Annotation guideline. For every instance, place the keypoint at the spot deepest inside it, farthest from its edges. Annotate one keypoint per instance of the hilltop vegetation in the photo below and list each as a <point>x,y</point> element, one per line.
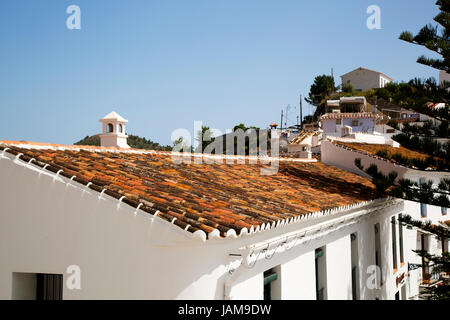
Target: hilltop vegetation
<point>133,141</point>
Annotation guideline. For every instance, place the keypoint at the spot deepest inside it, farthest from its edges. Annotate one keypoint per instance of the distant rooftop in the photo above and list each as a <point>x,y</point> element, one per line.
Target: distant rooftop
<point>361,68</point>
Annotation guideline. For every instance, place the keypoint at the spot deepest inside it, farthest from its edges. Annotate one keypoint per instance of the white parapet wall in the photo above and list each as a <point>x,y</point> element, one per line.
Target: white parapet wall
<point>360,137</point>
<point>344,158</point>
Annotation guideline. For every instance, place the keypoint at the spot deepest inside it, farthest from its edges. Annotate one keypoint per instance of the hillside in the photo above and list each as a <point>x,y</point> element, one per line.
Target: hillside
<point>133,141</point>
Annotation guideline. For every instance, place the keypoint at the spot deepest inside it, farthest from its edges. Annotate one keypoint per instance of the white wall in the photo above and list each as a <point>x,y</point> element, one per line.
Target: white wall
<point>338,264</point>
<point>334,155</point>
<point>250,289</point>
<point>364,125</point>
<point>362,79</point>
<point>297,278</point>
<point>114,140</point>
<point>384,81</point>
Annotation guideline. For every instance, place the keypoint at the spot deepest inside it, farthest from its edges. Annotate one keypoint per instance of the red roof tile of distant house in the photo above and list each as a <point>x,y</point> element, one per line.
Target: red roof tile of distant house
<point>219,197</point>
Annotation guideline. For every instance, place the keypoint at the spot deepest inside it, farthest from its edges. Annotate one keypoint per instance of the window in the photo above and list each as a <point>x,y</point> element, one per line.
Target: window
<point>423,206</point>
<point>354,264</point>
<point>400,237</point>
<point>444,211</point>
<point>355,123</point>
<point>110,128</point>
<point>37,286</point>
<point>378,252</point>
<point>269,277</point>
<point>338,121</point>
<point>394,243</point>
<point>49,286</point>
<point>320,268</point>
<point>445,245</point>
<point>424,245</point>
<point>119,128</point>
<point>423,209</point>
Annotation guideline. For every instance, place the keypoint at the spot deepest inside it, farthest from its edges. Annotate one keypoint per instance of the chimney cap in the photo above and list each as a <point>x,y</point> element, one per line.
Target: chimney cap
<point>114,116</point>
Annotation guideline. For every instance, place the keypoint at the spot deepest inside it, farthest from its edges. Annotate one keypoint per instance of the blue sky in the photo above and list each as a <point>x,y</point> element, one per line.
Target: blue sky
<point>164,64</point>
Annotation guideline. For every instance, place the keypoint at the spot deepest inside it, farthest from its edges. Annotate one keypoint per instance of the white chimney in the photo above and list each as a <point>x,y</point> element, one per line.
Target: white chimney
<point>113,133</point>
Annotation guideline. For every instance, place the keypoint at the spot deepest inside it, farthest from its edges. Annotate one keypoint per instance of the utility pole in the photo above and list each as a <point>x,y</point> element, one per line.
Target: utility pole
<point>285,118</point>
<point>281,119</point>
<point>301,113</point>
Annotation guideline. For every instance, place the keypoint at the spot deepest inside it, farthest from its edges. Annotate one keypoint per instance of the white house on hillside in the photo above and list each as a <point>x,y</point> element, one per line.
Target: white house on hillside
<point>346,116</point>
<point>344,124</point>
<point>364,79</point>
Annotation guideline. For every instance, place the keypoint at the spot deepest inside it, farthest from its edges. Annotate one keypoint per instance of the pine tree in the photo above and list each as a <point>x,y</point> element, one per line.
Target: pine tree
<point>322,87</point>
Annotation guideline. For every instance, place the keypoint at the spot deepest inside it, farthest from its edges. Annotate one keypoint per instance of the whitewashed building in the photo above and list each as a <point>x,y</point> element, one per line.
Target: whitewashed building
<point>55,225</point>
<point>363,79</point>
<point>343,156</point>
<point>337,124</point>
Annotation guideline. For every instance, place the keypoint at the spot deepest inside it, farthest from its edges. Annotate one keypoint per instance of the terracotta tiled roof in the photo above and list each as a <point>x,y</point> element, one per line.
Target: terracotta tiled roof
<point>216,198</point>
<point>301,137</point>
